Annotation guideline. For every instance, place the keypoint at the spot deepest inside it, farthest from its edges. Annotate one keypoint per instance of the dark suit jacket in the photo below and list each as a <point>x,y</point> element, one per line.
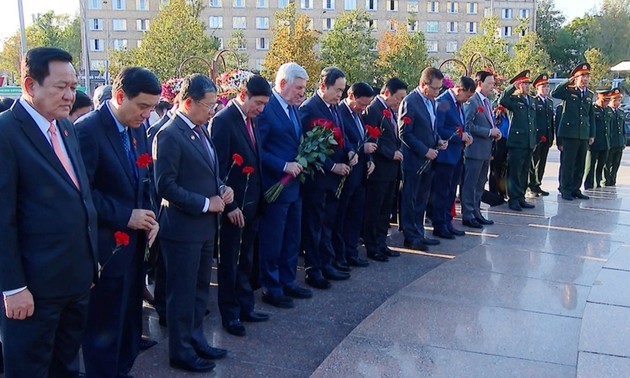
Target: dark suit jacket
<point>359,172</point>
<point>312,109</point>
<point>230,136</point>
<point>278,145</point>
<point>447,119</point>
<point>47,226</point>
<point>153,129</point>
<point>418,136</point>
<point>386,168</point>
<point>115,188</point>
<point>185,177</point>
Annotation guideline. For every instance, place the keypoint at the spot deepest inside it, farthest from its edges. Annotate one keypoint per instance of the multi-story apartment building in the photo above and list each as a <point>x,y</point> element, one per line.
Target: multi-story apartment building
<point>120,24</point>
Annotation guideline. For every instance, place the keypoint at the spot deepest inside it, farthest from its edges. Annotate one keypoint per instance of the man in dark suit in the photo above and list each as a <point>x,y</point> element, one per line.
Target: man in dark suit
<point>447,167</point>
<point>281,222</point>
<point>347,229</point>
<point>381,187</point>
<point>233,132</point>
<point>48,234</point>
<point>420,144</point>
<point>545,122</point>
<point>320,200</point>
<point>112,138</point>
<point>479,124</point>
<point>186,171</point>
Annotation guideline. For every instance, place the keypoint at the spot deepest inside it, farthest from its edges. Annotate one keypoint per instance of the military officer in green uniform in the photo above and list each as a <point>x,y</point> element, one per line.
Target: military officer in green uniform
<point>576,129</point>
<point>544,134</point>
<point>617,139</point>
<point>521,138</point>
<point>597,153</point>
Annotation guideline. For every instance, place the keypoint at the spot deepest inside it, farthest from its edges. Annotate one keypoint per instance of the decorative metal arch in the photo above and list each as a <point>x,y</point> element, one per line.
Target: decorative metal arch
<point>212,64</point>
<point>468,68</point>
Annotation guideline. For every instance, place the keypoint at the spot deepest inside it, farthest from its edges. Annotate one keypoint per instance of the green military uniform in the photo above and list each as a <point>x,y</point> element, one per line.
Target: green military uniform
<point>576,126</point>
<point>544,137</point>
<point>521,139</point>
<point>617,144</point>
<point>597,154</point>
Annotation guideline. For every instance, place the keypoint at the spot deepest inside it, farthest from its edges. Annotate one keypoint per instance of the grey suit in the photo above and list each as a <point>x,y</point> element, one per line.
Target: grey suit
<point>477,156</point>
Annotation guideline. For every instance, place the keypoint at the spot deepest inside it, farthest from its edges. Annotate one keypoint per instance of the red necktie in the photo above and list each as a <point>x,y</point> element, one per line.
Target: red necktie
<point>250,131</point>
<point>52,130</point>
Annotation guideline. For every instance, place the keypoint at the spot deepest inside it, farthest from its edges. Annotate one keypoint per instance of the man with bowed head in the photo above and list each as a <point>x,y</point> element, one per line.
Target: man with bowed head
<point>193,196</point>
<point>48,232</point>
<point>281,222</point>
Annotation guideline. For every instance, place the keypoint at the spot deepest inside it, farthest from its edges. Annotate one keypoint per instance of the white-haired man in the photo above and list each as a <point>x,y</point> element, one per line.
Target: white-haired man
<point>280,225</point>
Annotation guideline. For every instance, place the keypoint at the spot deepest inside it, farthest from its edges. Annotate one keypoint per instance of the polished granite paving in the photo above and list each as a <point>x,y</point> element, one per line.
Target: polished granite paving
<point>542,293</point>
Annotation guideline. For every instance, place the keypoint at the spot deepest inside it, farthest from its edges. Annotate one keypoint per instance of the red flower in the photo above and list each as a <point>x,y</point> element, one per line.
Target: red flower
<point>237,159</point>
<point>122,239</point>
<point>501,109</point>
<point>460,131</point>
<point>144,160</point>
<point>406,120</point>
<point>373,132</point>
<point>480,109</point>
<point>338,135</point>
<point>387,113</point>
<point>248,170</point>
<point>322,122</point>
<point>543,139</point>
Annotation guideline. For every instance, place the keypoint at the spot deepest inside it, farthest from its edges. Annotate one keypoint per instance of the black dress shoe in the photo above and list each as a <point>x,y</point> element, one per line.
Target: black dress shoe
<point>542,192</point>
<point>234,327</point>
<point>318,282</point>
<point>415,245</point>
<point>390,252</point>
<point>428,241</point>
<point>581,196</point>
<point>280,301</point>
<point>567,197</point>
<point>254,317</point>
<point>357,261</point>
<point>472,223</point>
<point>211,353</point>
<point>195,364</point>
<point>443,233</point>
<point>378,257</point>
<point>484,221</point>
<point>297,292</point>
<point>341,266</point>
<point>515,206</point>
<point>526,205</point>
<point>146,343</point>
<point>333,274</point>
<point>455,231</point>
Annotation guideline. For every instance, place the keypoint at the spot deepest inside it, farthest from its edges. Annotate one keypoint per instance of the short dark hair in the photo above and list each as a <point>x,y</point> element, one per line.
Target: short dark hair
<point>429,74</point>
<point>136,80</point>
<point>6,103</point>
<point>81,100</point>
<point>36,63</point>
<point>163,106</point>
<point>393,85</point>
<point>481,76</point>
<point>361,89</point>
<point>196,86</point>
<point>466,83</point>
<point>330,75</point>
<point>256,85</point>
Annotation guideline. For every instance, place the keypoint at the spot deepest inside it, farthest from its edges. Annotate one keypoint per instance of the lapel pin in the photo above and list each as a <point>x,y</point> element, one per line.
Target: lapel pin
<point>135,143</point>
<point>65,132</point>
<point>192,137</point>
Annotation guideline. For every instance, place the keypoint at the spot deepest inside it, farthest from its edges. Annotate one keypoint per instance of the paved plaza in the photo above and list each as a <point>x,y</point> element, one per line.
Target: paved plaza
<point>542,293</point>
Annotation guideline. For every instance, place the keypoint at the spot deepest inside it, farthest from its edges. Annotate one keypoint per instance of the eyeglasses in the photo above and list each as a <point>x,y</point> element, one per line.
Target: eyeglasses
<point>210,107</point>
<point>434,88</point>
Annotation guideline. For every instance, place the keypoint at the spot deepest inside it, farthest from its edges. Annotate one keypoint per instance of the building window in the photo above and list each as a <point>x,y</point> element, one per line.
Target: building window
<point>433,6</point>
<point>238,4</point>
<point>451,27</point>
<point>119,25</point>
<point>524,31</point>
<point>507,31</point>
<point>283,3</point>
<point>452,7</point>
<point>262,22</point>
<point>96,24</point>
<point>524,13</point>
<point>96,45</point>
<point>471,27</point>
<point>97,64</point>
<point>412,6</point>
<point>372,24</point>
<point>432,26</point>
<point>95,4</point>
<point>392,5</point>
<point>262,3</point>
<point>239,22</point>
<point>118,5</point>
<point>451,46</point>
<point>412,26</point>
<point>328,23</point>
<point>310,24</point>
<point>432,46</point>
<point>371,5</point>
<point>120,44</point>
<point>506,13</point>
<point>142,25</point>
<point>215,3</point>
<point>259,64</point>
<point>142,5</point>
<point>262,44</point>
<point>328,4</point>
<point>306,4</point>
<point>391,25</point>
<point>215,22</point>
<point>471,8</point>
<point>350,4</point>
<point>242,45</point>
<point>220,42</point>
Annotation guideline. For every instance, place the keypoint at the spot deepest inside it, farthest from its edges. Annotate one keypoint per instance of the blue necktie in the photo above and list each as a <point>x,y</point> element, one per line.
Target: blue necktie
<point>357,121</point>
<point>296,124</point>
<point>124,136</point>
<point>333,111</point>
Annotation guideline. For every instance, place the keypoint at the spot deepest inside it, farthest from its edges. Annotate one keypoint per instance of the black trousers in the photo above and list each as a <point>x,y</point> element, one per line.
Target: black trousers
<point>595,162</point>
<point>380,196</point>
<point>349,222</point>
<point>318,221</point>
<point>497,182</point>
<point>537,168</point>
<point>47,343</point>
<point>519,162</point>
<point>612,165</point>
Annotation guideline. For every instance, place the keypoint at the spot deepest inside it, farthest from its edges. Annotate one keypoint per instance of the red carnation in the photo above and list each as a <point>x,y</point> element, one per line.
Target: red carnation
<point>248,170</point>
<point>480,109</point>
<point>237,159</point>
<point>460,131</point>
<point>406,120</point>
<point>338,135</point>
<point>373,132</point>
<point>144,160</point>
<point>543,139</point>
<point>122,239</point>
<point>387,113</point>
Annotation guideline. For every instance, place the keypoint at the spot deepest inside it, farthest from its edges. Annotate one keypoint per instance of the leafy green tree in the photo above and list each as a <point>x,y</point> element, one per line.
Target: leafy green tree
<point>549,21</point>
<point>236,44</point>
<point>611,31</point>
<point>528,54</point>
<point>489,43</point>
<point>599,67</point>
<point>293,41</point>
<point>351,47</point>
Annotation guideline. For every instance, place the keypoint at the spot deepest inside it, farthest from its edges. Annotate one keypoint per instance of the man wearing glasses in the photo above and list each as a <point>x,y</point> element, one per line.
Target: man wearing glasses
<point>420,144</point>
